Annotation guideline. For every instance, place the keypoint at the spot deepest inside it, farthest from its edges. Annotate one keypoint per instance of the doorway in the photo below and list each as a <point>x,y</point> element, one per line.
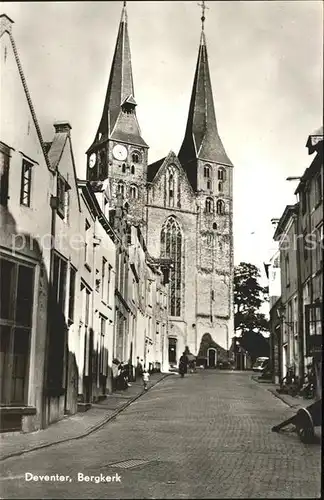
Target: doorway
<point>211,357</point>
<point>172,350</point>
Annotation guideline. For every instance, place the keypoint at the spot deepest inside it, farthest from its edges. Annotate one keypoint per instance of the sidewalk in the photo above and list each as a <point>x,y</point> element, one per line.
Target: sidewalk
<point>295,402</point>
<point>75,426</point>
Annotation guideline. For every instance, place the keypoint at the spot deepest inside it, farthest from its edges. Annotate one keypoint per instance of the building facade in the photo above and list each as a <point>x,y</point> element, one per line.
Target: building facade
<point>300,236</point>
<point>182,203</point>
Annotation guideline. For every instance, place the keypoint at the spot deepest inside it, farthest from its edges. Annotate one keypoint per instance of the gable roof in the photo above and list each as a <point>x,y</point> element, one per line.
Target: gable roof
<point>153,169</point>
<point>56,147</point>
<point>6,27</point>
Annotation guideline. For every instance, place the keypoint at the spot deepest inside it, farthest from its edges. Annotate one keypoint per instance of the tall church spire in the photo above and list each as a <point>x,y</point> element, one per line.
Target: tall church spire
<point>201,139</point>
<point>120,93</point>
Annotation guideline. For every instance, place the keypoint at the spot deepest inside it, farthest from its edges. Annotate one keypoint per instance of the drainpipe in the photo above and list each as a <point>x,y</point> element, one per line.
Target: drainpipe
<point>46,397</point>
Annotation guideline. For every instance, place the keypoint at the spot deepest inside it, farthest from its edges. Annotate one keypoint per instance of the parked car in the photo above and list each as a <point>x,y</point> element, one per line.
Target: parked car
<point>260,364</point>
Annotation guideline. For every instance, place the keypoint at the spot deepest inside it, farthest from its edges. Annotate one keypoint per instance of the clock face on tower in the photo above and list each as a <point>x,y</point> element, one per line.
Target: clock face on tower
<point>120,152</point>
<point>92,160</point>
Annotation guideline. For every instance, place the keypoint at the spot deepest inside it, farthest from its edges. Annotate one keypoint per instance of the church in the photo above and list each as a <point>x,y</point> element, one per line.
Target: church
<point>182,203</point>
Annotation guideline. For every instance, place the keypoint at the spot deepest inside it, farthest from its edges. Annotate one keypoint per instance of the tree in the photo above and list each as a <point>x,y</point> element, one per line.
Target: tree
<point>248,298</point>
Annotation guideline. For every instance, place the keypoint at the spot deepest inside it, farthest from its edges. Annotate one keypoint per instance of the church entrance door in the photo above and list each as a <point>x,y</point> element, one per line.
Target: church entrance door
<point>172,351</point>
<point>212,357</point>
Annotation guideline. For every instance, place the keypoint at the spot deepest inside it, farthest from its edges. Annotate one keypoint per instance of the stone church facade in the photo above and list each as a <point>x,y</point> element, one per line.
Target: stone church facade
<point>183,203</point>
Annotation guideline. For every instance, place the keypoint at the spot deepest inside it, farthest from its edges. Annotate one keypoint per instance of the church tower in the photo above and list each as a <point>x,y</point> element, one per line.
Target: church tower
<point>210,173</point>
<point>118,152</point>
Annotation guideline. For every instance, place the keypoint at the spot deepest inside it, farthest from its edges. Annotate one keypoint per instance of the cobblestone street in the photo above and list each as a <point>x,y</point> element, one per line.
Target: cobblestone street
<point>205,436</point>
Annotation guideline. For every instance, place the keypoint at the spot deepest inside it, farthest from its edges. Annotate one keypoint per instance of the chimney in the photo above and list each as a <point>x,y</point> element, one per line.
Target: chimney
<point>6,24</point>
<point>63,126</point>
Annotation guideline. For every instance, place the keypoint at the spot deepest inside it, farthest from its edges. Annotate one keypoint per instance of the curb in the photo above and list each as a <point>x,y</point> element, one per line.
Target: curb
<point>279,396</point>
<point>89,431</point>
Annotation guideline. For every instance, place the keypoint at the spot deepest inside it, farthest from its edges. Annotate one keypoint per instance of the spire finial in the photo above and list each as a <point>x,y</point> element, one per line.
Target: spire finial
<point>124,13</point>
<point>203,8</point>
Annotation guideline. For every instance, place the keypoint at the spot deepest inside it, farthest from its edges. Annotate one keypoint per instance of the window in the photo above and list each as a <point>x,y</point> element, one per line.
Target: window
<point>103,363</point>
<point>172,187</point>
<point>26,180</point>
<point>121,188</point>
<point>313,322</point>
<point>132,169</point>
<point>124,168</point>
<point>318,189</point>
<point>108,282</point>
<point>136,158</point>
<point>220,187</point>
<point>133,192</point>
<point>208,184</point>
<point>171,248</point>
<point>63,198</point>
<point>209,206</point>
<point>287,271</point>
<point>304,200</point>
<point>220,207</point>
<point>72,294</point>
<point>207,171</point>
<point>306,246</point>
<point>103,279</point>
<point>86,242</point>
<point>214,225</point>
<point>221,174</point>
<point>4,173</point>
<point>16,308</point>
<point>59,282</point>
<point>210,238</point>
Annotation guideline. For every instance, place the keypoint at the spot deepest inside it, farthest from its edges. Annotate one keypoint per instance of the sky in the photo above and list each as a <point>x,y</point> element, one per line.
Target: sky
<point>265,60</point>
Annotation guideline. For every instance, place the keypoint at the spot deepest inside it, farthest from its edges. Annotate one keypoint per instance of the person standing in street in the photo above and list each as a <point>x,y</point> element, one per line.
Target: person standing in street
<point>146,379</point>
<point>183,365</point>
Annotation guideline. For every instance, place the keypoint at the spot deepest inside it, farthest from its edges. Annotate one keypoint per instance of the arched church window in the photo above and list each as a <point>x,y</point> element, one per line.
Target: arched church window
<point>220,207</point>
<point>132,169</point>
<point>121,188</point>
<point>210,238</point>
<point>208,184</point>
<point>214,225</point>
<point>124,168</point>
<point>207,171</point>
<point>172,197</point>
<point>136,157</point>
<point>133,192</point>
<point>209,207</point>
<point>171,248</point>
<point>221,174</point>
<point>220,187</point>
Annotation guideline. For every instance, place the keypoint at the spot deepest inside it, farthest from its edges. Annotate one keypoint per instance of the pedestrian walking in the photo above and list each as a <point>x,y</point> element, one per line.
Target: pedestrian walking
<point>183,365</point>
<point>146,378</point>
<point>139,368</point>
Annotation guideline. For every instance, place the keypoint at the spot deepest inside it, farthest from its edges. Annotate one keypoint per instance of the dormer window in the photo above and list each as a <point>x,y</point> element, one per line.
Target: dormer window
<point>128,106</point>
